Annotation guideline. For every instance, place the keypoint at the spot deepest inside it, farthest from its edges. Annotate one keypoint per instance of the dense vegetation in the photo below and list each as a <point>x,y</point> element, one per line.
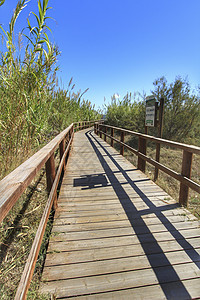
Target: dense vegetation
<point>181,113</point>
<point>32,107</point>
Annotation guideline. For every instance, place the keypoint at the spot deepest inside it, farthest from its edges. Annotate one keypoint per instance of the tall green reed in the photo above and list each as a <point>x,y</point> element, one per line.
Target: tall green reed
<point>32,106</point>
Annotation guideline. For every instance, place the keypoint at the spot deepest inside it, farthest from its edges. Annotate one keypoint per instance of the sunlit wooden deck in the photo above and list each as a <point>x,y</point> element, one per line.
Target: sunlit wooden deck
<point>116,234</point>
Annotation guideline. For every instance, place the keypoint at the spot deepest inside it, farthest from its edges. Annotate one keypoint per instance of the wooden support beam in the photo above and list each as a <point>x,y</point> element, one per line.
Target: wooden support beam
<point>97,128</point>
<point>142,146</point>
<point>100,128</point>
<point>50,176</point>
<point>122,140</point>
<point>112,134</point>
<point>186,172</point>
<point>62,150</point>
<point>105,130</point>
<point>158,160</point>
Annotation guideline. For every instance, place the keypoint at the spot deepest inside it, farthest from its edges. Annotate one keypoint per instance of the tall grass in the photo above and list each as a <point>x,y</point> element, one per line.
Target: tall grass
<point>32,107</point>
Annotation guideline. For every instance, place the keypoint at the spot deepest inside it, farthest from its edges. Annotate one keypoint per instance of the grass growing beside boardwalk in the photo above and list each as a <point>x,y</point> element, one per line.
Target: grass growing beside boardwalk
<point>173,159</point>
<point>33,108</point>
<point>16,237</point>
<point>17,234</point>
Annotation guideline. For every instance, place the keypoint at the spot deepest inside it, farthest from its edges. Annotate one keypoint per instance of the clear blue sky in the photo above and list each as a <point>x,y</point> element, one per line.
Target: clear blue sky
<point>120,46</point>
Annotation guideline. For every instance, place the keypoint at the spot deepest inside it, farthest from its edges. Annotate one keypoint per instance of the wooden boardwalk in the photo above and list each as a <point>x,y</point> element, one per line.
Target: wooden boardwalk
<point>116,234</point>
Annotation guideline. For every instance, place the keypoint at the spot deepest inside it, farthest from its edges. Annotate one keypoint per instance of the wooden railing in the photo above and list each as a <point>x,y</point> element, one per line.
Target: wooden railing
<point>14,184</point>
<point>188,150</point>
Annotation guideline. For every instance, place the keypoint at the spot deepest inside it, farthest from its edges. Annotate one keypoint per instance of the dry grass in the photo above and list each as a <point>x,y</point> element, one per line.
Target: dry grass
<point>17,234</point>
<point>171,158</point>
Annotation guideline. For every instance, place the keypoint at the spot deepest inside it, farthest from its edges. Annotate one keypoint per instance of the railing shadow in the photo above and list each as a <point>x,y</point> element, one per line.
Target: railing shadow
<point>159,267</point>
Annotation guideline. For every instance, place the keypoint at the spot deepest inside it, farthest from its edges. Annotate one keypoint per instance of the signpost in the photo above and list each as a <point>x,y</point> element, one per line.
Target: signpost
<point>150,119</point>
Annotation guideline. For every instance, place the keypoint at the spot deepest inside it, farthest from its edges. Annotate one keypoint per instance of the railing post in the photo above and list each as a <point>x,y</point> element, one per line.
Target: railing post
<point>112,134</point>
<point>121,146</point>
<point>186,171</point>
<point>50,176</point>
<point>62,150</point>
<point>70,133</point>
<point>142,146</point>
<point>100,128</point>
<point>95,128</point>
<point>105,130</point>
<point>158,160</point>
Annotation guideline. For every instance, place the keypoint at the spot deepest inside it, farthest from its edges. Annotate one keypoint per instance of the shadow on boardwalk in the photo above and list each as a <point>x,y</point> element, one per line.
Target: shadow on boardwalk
<point>158,260</point>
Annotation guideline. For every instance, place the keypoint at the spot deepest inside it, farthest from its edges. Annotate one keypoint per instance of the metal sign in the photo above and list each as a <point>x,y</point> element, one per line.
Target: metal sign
<point>150,111</point>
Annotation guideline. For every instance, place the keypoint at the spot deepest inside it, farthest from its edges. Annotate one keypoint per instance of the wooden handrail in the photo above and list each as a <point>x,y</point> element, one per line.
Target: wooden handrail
<point>188,150</point>
<point>32,258</point>
<point>14,184</point>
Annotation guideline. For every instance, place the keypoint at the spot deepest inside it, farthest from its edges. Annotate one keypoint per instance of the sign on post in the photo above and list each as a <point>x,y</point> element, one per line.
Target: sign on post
<point>150,111</point>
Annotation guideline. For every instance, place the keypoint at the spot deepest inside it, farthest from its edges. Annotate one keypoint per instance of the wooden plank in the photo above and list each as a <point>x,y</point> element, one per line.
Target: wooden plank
<point>64,234</point>
<point>153,292</point>
<point>94,268</point>
<point>91,221</point>
<point>108,215</point>
<point>120,240</point>
<point>108,198</point>
<point>73,226</point>
<point>78,256</point>
<point>137,204</point>
<point>117,281</point>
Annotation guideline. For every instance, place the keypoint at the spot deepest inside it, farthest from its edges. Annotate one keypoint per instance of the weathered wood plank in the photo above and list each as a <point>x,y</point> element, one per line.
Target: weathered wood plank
<point>123,280</point>
<point>153,292</point>
<point>94,268</point>
<point>67,257</point>
<point>63,232</point>
<point>100,217</point>
<point>73,226</point>
<point>120,240</point>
